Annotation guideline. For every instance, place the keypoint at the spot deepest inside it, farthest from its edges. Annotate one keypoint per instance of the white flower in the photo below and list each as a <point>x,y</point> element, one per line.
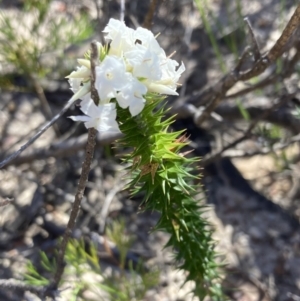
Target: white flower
<point>102,117</point>
<point>132,96</point>
<point>149,41</point>
<point>79,80</point>
<point>121,36</point>
<point>168,82</point>
<point>81,91</point>
<point>170,74</point>
<point>111,77</point>
<point>133,64</point>
<point>143,63</point>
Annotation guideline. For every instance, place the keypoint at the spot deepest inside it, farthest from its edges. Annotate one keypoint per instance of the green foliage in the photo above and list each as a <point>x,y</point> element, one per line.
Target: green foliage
<point>281,160</point>
<point>82,259</point>
<point>32,50</point>
<point>77,256</point>
<point>35,277</point>
<point>236,26</point>
<point>201,5</point>
<point>123,242</point>
<point>297,112</point>
<point>133,283</point>
<point>163,174</point>
<point>243,110</point>
<point>270,133</point>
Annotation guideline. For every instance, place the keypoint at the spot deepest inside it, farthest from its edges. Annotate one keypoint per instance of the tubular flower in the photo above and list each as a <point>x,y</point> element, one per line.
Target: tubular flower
<point>79,80</point>
<point>132,96</point>
<point>102,117</point>
<point>133,65</point>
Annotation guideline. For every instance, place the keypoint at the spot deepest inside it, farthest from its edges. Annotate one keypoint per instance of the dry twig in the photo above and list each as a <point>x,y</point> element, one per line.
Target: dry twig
<point>86,165</point>
<point>216,154</point>
<point>235,153</point>
<point>36,136</point>
<point>214,94</point>
<point>149,17</point>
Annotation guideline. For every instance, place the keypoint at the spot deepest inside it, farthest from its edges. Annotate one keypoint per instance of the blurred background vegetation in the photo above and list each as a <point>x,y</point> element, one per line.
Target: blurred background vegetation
<point>253,187</point>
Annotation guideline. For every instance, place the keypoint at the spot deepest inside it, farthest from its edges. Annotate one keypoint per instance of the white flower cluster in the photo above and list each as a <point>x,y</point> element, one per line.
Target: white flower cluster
<point>134,65</point>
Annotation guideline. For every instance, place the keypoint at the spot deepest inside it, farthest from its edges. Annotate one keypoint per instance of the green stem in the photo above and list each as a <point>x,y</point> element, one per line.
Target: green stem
<point>164,176</point>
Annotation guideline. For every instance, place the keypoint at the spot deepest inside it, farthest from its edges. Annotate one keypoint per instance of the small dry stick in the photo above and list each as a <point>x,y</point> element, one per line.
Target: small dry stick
<point>86,165</point>
<point>216,93</point>
<point>253,41</point>
<point>278,48</point>
<point>36,136</point>
<point>217,154</point>
<point>149,17</point>
<point>236,153</point>
<point>44,102</point>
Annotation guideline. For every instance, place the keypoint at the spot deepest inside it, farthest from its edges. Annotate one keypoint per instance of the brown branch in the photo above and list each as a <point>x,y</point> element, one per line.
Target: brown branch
<point>62,149</point>
<point>94,63</point>
<point>263,83</point>
<point>278,48</point>
<point>253,41</point>
<point>281,117</point>
<point>36,136</point>
<point>75,208</point>
<point>86,165</point>
<point>289,68</point>
<point>217,153</point>
<point>44,102</point>
<point>214,94</point>
<point>149,16</point>
<point>240,153</point>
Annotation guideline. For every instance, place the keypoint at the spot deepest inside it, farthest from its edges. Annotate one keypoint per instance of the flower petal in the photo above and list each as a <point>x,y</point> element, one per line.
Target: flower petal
<point>110,77</point>
<point>137,107</point>
<point>85,89</point>
<point>80,118</point>
<point>160,88</point>
<point>85,63</point>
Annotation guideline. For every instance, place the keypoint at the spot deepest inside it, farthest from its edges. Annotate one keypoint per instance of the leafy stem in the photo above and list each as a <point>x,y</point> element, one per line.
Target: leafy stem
<point>164,174</point>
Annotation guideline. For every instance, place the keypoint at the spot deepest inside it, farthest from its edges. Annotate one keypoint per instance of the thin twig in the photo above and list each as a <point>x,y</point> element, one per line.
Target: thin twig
<point>150,13</point>
<point>217,92</point>
<point>63,148</point>
<point>263,83</point>
<point>282,118</point>
<point>36,136</point>
<point>253,41</point>
<point>75,207</point>
<point>86,165</point>
<point>216,154</point>
<point>245,55</point>
<point>289,68</point>
<point>240,153</point>
<point>44,102</point>
<point>94,63</point>
<point>278,48</point>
